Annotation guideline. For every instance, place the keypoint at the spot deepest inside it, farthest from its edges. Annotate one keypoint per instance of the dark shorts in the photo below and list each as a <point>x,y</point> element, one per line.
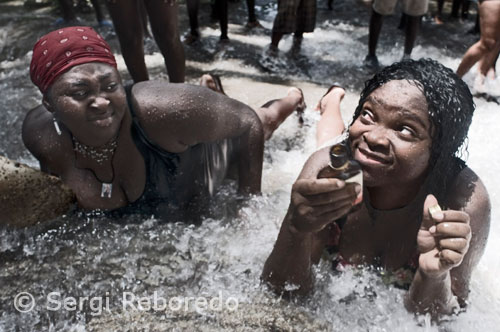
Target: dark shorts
<point>295,16</point>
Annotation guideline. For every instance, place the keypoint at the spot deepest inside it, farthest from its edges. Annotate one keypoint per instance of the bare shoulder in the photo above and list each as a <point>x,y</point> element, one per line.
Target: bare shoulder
<point>177,115</point>
<point>35,130</point>
<point>152,98</point>
<point>168,111</point>
<point>41,139</point>
<point>468,193</point>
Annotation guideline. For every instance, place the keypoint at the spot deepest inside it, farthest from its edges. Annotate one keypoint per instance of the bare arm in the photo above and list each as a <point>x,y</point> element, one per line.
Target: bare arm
<point>456,243</point>
<point>176,116</point>
<point>315,203</point>
<point>41,139</point>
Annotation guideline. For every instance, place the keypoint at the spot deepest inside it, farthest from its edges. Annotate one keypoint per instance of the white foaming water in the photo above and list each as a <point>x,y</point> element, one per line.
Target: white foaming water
<point>93,256</point>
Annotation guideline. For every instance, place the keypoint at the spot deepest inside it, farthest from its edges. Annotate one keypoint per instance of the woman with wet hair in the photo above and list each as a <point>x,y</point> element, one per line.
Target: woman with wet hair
<point>424,216</point>
<point>156,147</point>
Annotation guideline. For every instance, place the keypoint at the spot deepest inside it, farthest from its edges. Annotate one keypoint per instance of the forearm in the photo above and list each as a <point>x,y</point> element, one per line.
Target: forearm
<point>250,157</point>
<point>290,261</point>
<point>431,295</point>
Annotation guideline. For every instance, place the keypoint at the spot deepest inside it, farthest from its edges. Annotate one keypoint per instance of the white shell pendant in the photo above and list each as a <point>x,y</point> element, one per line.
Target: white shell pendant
<point>106,190</point>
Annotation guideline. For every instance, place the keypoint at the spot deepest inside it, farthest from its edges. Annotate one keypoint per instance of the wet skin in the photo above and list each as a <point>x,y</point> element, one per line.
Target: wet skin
<point>89,103</point>
<point>391,139</point>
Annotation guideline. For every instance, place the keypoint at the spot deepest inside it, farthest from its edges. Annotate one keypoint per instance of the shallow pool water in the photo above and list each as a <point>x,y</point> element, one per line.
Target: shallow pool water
<point>97,261</point>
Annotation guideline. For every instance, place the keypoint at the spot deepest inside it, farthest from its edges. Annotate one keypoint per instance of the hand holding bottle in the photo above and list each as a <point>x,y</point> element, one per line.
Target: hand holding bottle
<point>342,166</point>
<point>317,202</point>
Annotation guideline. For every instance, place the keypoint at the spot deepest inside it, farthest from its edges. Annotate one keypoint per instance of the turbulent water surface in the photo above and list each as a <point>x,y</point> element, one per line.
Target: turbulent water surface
<point>91,257</point>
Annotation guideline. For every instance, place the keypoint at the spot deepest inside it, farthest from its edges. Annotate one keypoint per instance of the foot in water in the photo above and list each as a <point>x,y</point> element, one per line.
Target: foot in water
<point>253,24</point>
<point>334,92</point>
<point>105,24</point>
<point>371,62</point>
<point>191,38</point>
<point>274,112</point>
<point>61,22</point>
<point>212,82</point>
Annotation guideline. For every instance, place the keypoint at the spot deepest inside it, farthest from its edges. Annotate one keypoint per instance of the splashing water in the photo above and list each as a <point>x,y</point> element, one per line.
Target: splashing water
<point>95,257</point>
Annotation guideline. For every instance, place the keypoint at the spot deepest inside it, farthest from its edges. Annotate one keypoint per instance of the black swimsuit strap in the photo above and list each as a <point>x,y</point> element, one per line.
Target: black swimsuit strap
<point>161,168</point>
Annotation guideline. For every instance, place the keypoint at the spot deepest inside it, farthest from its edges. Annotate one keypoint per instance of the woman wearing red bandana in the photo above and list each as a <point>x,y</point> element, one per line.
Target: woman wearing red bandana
<point>157,146</point>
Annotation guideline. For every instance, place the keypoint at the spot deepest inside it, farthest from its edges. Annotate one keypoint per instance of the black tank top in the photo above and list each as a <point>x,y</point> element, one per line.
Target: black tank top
<point>178,185</point>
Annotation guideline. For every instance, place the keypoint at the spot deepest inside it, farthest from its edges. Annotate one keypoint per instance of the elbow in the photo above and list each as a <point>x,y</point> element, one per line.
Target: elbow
<point>284,282</point>
<point>252,123</point>
<point>284,288</point>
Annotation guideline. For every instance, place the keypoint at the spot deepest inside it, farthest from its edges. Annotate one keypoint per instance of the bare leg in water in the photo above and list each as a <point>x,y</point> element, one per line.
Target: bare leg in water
<point>489,12</point>
<point>487,65</point>
<point>411,31</point>
<point>68,12</point>
<point>221,8</point>
<point>330,125</point>
<point>144,18</point>
<point>99,15</point>
<point>273,113</point>
<point>438,18</point>
<point>376,21</point>
<point>252,19</point>
<point>194,33</point>
<point>164,24</point>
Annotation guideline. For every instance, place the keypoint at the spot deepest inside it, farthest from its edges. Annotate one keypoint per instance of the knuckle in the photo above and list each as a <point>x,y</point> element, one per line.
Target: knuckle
<point>298,185</point>
<point>302,210</point>
<point>451,257</point>
<point>297,200</point>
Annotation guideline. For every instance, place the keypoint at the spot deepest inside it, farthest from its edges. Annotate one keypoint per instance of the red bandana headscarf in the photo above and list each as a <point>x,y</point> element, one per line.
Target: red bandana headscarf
<point>60,50</point>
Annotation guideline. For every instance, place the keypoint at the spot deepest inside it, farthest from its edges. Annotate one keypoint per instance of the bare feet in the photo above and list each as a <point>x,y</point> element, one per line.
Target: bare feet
<point>191,38</point>
<point>274,113</point>
<point>253,24</point>
<point>479,83</point>
<point>212,82</point>
<point>333,95</point>
<point>272,51</point>
<point>491,74</point>
<point>224,40</point>
<point>438,20</point>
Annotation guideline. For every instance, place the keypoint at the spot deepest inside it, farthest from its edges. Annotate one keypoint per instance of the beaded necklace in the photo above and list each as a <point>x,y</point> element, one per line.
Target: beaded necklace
<point>100,155</point>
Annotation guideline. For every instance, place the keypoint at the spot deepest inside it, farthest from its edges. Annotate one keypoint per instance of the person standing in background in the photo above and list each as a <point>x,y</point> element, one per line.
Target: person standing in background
<point>219,12</point>
<point>69,15</point>
<point>414,10</point>
<point>294,16</point>
<point>129,28</point>
<point>486,49</point>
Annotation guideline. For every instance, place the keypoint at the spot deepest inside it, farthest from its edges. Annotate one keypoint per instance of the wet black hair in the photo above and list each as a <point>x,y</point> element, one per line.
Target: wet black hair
<point>450,106</point>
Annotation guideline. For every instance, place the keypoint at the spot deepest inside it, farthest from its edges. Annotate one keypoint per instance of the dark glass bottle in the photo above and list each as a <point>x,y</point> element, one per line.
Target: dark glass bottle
<point>344,167</point>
